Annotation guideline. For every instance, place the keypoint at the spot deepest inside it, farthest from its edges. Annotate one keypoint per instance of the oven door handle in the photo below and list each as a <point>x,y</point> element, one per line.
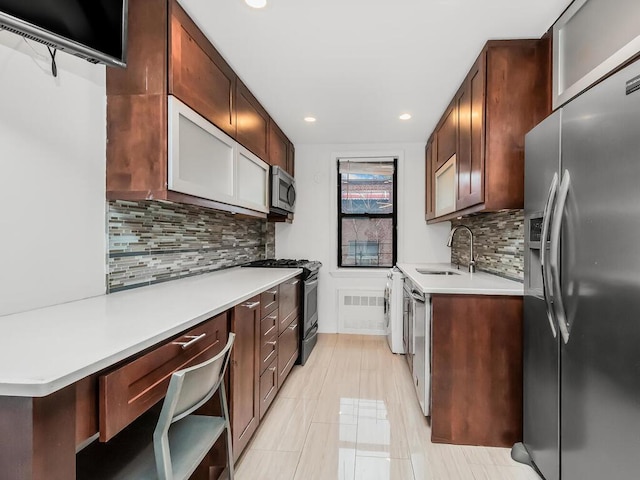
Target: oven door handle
<point>311,331</point>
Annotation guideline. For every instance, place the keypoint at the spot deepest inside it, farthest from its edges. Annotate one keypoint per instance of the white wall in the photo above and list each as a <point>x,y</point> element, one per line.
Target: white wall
<point>313,234</point>
<point>52,177</point>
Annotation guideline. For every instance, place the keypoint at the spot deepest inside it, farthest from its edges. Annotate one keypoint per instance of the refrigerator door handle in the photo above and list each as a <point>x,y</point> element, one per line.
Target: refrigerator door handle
<point>556,229</point>
<point>546,220</point>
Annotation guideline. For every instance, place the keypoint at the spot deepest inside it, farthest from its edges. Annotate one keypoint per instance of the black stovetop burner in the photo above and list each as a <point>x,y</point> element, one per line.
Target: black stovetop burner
<point>309,267</point>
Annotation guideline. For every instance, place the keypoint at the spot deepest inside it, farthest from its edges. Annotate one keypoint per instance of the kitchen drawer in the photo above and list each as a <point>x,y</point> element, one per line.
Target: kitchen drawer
<point>269,324</point>
<point>269,301</point>
<point>129,391</point>
<point>289,302</point>
<point>268,386</point>
<point>268,351</point>
<point>287,350</point>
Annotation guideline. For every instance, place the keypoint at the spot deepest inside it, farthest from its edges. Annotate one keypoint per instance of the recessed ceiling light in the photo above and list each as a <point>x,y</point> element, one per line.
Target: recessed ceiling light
<point>405,116</point>
<point>256,3</point>
<point>309,119</point>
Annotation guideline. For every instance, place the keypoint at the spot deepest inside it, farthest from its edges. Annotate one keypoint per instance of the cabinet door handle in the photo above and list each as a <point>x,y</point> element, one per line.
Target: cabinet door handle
<point>193,340</point>
<point>271,343</point>
<point>251,305</point>
<point>230,105</point>
<point>293,327</point>
<point>272,369</point>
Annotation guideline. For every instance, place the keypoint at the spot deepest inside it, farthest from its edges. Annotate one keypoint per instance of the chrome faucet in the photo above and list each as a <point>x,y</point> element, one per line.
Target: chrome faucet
<point>472,263</point>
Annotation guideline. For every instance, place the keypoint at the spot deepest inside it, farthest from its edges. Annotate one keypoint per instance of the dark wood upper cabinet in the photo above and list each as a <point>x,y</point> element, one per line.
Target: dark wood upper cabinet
<point>252,122</point>
<point>198,75</point>
<point>169,55</point>
<point>446,133</point>
<point>291,160</point>
<point>429,170</point>
<point>278,146</point>
<point>506,93</point>
<point>470,101</point>
<point>281,151</point>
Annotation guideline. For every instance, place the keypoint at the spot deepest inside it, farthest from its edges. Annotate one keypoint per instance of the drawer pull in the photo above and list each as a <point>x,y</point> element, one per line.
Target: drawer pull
<point>251,306</point>
<point>273,317</point>
<point>273,292</point>
<point>272,369</point>
<point>194,339</point>
<point>295,282</point>
<point>271,343</point>
<point>293,327</point>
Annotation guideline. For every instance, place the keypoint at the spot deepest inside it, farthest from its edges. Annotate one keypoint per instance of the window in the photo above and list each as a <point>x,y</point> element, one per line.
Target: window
<point>367,214</point>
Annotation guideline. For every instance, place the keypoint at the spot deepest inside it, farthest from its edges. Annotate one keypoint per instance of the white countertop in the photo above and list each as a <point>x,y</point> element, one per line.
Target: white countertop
<point>45,350</point>
<point>479,283</point>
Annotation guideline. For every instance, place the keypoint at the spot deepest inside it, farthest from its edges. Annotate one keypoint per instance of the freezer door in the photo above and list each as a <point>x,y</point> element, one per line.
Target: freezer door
<point>541,348</point>
<point>600,278</point>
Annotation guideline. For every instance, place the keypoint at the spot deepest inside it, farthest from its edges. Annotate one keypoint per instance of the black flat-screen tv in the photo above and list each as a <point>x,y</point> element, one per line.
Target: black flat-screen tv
<point>95,30</point>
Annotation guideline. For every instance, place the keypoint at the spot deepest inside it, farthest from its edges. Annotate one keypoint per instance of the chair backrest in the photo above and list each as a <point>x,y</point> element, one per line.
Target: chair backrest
<point>188,390</point>
<point>192,387</point>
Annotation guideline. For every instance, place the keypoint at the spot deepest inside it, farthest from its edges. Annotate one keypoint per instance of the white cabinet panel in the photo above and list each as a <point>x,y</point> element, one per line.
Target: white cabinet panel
<point>252,180</point>
<point>446,188</point>
<point>205,162</point>
<point>580,57</point>
<point>201,157</point>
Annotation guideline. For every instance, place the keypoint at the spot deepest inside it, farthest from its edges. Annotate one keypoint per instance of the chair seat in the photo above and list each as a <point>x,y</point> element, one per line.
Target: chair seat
<point>189,440</point>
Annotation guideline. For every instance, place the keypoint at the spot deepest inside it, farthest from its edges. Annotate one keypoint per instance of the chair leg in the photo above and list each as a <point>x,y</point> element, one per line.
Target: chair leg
<point>230,453</point>
<point>225,413</point>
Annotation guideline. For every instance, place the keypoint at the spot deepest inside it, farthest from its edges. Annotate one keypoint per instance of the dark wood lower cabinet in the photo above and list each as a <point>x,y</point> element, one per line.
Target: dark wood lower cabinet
<point>38,437</point>
<point>476,370</point>
<point>122,402</point>
<point>287,350</point>
<point>245,373</point>
<point>268,386</point>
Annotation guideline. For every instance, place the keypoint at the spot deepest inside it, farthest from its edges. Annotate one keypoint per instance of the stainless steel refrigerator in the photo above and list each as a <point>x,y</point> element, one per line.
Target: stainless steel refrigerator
<point>582,286</point>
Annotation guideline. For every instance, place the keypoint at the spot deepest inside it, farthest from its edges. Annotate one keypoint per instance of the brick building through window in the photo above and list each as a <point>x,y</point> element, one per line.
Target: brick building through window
<point>367,214</point>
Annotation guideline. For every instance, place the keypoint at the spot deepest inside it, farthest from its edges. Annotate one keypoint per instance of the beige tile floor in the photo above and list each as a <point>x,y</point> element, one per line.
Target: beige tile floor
<point>351,414</point>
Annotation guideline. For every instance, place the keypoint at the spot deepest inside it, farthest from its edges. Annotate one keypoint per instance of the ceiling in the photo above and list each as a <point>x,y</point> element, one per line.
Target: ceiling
<point>356,65</point>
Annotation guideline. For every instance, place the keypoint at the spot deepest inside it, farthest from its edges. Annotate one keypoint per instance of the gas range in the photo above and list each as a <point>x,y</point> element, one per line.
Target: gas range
<point>309,267</point>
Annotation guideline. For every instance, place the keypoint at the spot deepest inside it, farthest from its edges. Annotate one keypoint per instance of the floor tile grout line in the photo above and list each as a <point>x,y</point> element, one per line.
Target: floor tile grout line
<point>306,436</point>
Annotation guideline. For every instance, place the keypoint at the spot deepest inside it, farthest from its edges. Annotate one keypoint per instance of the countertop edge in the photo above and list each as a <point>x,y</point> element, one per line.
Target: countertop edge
<point>36,389</point>
<point>508,287</point>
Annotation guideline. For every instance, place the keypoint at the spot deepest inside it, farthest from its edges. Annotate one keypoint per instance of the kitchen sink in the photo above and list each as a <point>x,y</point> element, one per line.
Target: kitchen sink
<point>426,271</point>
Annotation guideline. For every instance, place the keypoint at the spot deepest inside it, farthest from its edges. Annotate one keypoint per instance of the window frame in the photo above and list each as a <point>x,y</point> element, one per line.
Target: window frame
<point>393,216</point>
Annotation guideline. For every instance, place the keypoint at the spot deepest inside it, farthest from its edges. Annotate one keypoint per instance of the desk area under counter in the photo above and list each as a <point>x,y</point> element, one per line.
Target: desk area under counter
<point>475,354</point>
<point>67,372</point>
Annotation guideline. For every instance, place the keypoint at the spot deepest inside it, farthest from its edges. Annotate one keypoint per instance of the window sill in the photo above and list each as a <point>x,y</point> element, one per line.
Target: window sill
<point>360,272</point>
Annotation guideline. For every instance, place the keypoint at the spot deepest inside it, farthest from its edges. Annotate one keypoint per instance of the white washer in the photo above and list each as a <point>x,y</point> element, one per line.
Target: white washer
<point>393,310</point>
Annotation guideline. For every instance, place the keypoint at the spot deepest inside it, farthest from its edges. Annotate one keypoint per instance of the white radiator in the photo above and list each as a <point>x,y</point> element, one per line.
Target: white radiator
<point>361,311</point>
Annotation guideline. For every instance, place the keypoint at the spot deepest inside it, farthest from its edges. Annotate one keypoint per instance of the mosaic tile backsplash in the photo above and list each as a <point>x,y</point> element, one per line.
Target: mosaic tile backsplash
<point>498,243</point>
<point>152,242</point>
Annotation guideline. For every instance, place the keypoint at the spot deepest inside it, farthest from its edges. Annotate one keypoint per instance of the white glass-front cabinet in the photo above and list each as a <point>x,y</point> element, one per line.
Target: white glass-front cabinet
<point>581,57</point>
<point>446,193</point>
<point>252,181</point>
<point>205,162</point>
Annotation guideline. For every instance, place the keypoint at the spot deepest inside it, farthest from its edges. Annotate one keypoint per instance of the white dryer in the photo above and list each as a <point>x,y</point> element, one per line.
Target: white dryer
<point>393,310</point>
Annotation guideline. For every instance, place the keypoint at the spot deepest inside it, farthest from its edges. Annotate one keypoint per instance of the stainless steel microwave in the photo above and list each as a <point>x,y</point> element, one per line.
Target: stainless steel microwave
<point>283,191</point>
